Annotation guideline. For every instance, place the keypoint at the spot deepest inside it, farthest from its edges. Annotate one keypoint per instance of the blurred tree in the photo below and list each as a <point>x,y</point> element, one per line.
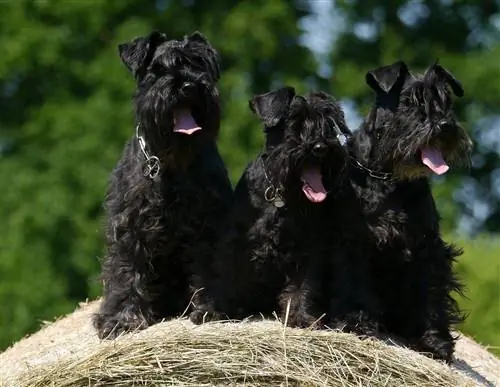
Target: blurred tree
<point>65,113</point>
<point>479,267</point>
<point>464,35</point>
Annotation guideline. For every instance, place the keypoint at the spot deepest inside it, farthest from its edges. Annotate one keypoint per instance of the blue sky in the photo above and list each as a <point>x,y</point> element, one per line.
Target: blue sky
<point>321,32</point>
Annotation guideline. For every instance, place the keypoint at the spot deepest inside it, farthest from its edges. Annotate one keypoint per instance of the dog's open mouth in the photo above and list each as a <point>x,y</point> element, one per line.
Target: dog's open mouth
<point>433,159</point>
<point>312,184</point>
<point>184,122</point>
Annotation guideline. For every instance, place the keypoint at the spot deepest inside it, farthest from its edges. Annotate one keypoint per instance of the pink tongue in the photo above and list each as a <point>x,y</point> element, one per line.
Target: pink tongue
<point>313,186</point>
<point>184,122</point>
<point>433,159</point>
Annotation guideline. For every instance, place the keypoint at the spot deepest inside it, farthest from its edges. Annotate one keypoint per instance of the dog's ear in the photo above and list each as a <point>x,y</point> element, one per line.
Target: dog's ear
<point>197,36</point>
<point>438,71</point>
<point>214,65</point>
<point>137,53</point>
<point>385,78</point>
<point>271,107</point>
<point>323,96</point>
<point>210,55</point>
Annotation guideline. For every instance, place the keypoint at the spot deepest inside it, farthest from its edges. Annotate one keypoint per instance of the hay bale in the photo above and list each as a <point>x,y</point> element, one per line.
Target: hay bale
<point>68,353</point>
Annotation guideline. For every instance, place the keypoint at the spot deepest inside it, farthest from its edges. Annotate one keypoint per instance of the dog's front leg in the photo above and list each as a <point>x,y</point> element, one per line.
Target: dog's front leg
<point>300,301</point>
<point>223,281</point>
<point>203,288</point>
<point>124,306</point>
<point>352,303</point>
<point>437,309</point>
<point>134,231</point>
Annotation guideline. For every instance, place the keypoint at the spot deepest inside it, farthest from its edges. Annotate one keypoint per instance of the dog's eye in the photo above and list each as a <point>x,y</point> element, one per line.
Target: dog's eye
<point>378,134</point>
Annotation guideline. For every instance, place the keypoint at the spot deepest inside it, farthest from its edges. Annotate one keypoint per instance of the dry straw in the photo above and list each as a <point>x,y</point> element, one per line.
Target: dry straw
<point>67,352</point>
<point>250,354</point>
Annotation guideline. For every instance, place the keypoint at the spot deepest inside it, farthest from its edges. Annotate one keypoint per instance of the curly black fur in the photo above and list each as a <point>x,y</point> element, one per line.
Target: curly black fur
<point>412,267</point>
<point>273,258</point>
<point>161,228</point>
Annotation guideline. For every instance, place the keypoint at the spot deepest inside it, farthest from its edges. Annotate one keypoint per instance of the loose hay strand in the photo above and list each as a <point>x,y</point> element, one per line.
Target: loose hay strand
<point>250,354</point>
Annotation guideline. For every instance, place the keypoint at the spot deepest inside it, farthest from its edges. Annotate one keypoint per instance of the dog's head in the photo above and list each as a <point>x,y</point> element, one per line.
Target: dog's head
<point>412,130</point>
<point>176,86</point>
<point>305,138</point>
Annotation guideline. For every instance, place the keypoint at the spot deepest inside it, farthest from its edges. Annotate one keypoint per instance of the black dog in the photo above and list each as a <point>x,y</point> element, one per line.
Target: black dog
<point>169,190</point>
<point>276,253</point>
<point>410,133</point>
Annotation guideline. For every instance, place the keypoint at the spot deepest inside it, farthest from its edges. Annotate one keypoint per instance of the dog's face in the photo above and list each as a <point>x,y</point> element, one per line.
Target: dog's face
<point>413,131</point>
<point>176,93</point>
<point>304,140</point>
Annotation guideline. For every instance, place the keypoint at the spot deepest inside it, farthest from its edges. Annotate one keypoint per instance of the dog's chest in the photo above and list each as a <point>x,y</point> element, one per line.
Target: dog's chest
<point>278,235</point>
<point>388,226</point>
<point>189,204</point>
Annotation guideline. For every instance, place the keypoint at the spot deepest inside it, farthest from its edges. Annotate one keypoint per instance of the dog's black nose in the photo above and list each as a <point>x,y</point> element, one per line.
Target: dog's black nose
<point>187,85</point>
<point>319,149</point>
<point>445,126</point>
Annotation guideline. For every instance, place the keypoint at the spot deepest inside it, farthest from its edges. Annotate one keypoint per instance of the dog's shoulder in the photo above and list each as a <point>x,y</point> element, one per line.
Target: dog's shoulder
<point>217,174</point>
<point>251,210</point>
<point>128,161</point>
<point>247,197</point>
<point>127,183</point>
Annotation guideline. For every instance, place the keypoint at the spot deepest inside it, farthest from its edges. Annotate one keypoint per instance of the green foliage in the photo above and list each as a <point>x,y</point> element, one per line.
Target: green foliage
<point>66,111</point>
<point>479,267</point>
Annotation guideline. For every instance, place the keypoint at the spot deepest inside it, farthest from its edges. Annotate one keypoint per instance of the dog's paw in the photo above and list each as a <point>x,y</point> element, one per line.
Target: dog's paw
<point>200,316</point>
<point>302,320</point>
<point>436,344</point>
<point>358,323</point>
<point>110,327</point>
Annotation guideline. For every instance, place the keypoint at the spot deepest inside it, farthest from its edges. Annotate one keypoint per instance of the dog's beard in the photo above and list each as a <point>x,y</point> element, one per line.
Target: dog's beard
<point>289,168</point>
<point>181,110</point>
<point>175,126</point>
<point>425,151</point>
<point>310,175</point>
<point>320,175</point>
<point>425,161</point>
